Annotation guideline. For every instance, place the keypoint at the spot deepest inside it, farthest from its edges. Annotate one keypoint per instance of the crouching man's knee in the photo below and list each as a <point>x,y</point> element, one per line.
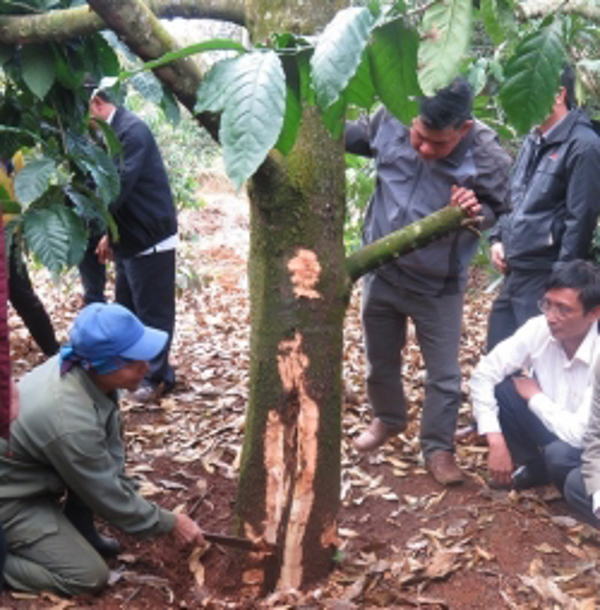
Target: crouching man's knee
<point>91,580</point>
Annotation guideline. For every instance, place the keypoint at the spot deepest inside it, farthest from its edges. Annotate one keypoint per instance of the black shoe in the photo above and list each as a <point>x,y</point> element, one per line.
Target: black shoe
<point>105,546</point>
<point>82,518</point>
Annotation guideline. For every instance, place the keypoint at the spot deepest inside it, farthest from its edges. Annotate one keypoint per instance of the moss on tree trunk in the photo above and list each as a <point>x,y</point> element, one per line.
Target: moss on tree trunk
<point>289,480</point>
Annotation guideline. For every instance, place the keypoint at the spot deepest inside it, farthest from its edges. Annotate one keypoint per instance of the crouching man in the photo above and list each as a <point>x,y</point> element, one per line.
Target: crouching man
<point>532,393</point>
<point>582,487</point>
<point>66,438</point>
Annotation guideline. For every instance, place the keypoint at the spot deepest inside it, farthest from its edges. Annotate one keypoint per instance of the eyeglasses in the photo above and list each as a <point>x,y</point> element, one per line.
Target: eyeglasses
<point>562,311</point>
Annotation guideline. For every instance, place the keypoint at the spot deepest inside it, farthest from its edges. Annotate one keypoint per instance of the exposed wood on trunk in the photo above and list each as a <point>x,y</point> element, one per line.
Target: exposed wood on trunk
<point>293,363</point>
<point>67,23</point>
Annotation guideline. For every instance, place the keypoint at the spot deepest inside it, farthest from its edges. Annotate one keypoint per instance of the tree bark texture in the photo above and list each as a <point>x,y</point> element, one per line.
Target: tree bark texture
<point>64,24</point>
<point>289,486</point>
<point>139,28</point>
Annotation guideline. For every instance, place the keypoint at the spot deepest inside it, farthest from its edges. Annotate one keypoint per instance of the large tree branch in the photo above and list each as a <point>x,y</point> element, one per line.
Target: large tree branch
<point>412,237</point>
<point>143,33</point>
<point>64,24</point>
<point>528,9</point>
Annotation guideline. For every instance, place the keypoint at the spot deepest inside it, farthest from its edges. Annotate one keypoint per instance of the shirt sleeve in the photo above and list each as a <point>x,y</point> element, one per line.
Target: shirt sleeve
<point>569,426</point>
<point>596,504</point>
<point>135,140</point>
<point>358,137</point>
<point>84,462</point>
<point>507,357</point>
<point>581,202</point>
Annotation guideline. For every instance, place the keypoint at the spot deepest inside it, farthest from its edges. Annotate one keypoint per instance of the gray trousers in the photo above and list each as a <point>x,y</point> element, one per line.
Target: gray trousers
<point>437,320</point>
<point>46,552</point>
<point>578,498</point>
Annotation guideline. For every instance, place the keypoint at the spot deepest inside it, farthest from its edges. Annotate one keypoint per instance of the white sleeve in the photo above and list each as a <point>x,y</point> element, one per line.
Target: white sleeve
<point>596,503</point>
<point>506,358</point>
<point>569,426</point>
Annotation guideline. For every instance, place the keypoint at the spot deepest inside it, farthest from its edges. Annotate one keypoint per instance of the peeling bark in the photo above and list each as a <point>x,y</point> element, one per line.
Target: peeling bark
<point>293,364</point>
<point>60,25</point>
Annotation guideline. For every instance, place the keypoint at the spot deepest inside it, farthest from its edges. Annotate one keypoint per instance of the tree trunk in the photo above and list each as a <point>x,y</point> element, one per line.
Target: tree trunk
<point>289,485</point>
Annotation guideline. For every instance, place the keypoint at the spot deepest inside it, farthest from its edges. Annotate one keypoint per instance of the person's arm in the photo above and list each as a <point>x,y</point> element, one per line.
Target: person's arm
<point>569,426</point>
<point>135,140</point>
<point>492,184</point>
<point>590,468</point>
<point>358,137</point>
<point>582,202</point>
<point>506,358</point>
<point>84,462</point>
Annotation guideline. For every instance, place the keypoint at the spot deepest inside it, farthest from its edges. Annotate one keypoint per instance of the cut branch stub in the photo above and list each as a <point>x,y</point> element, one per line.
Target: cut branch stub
<point>405,240</point>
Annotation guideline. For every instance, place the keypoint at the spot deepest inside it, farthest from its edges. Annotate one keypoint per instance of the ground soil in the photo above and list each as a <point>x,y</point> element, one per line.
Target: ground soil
<point>404,540</point>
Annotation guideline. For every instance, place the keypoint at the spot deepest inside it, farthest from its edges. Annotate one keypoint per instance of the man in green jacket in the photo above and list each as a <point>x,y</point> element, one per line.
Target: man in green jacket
<point>66,438</point>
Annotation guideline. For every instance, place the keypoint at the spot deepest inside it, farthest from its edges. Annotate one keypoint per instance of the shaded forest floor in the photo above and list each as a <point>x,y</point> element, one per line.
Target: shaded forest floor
<point>405,542</point>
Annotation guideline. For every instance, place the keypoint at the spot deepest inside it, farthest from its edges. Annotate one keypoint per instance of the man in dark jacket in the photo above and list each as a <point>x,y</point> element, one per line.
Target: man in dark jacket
<point>445,156</point>
<point>145,251</point>
<point>555,201</point>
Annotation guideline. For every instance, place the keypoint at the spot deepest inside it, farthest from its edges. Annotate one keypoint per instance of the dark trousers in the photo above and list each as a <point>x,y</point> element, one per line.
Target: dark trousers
<point>92,272</point>
<point>578,498</point>
<point>530,442</point>
<point>516,303</point>
<point>28,305</point>
<point>146,286</point>
<point>385,311</point>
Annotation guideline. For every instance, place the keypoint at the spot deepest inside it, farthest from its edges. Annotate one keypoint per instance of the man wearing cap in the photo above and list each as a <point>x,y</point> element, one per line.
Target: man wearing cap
<point>66,438</point>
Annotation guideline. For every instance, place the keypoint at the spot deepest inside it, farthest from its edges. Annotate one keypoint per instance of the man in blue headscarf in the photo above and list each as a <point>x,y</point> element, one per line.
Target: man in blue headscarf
<point>66,438</point>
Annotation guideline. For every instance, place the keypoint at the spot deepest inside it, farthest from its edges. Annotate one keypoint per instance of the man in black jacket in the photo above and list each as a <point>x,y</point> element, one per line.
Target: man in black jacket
<point>145,251</point>
<point>555,202</point>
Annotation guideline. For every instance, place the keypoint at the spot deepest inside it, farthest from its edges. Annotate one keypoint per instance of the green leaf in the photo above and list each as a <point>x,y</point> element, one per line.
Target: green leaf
<point>69,67</point>
<point>148,86</point>
<point>37,67</point>
<point>216,44</point>
<point>55,235</point>
<point>498,18</point>
<point>212,93</point>
<point>253,115</point>
<point>102,57</point>
<point>477,76</point>
<point>7,204</point>
<point>334,117</point>
<point>393,58</point>
<point>293,107</point>
<point>170,107</point>
<point>92,159</point>
<point>360,90</point>
<point>6,53</point>
<point>33,180</point>
<point>446,31</point>
<point>338,53</point>
<point>113,144</point>
<point>532,78</point>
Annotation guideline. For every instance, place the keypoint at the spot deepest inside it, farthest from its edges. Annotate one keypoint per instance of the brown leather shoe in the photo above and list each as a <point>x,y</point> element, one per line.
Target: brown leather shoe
<point>375,435</point>
<point>442,467</point>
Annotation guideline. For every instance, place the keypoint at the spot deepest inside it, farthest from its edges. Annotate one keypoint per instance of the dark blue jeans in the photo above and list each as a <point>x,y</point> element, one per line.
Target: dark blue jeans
<point>146,286</point>
<point>530,442</point>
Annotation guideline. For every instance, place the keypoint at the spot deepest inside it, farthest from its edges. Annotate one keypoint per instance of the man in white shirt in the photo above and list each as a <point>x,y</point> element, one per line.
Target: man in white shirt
<point>532,393</point>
